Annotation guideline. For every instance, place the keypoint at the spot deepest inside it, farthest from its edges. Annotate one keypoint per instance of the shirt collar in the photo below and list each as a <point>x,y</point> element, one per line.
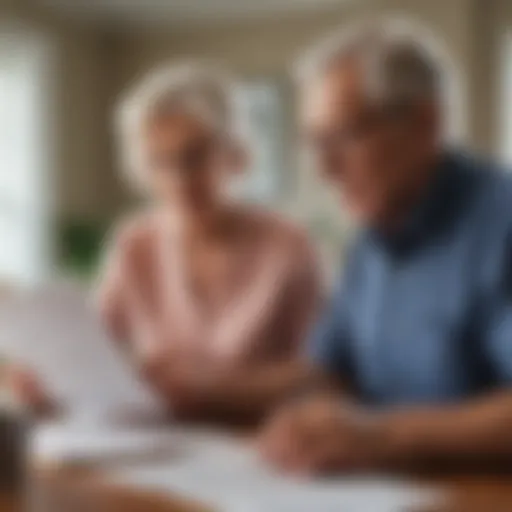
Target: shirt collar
<point>439,204</point>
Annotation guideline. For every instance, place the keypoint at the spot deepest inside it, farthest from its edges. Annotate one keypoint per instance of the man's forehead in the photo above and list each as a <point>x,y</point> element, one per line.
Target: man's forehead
<point>339,91</point>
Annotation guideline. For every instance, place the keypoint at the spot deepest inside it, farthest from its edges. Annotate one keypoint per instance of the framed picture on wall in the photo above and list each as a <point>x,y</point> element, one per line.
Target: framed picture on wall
<point>263,112</point>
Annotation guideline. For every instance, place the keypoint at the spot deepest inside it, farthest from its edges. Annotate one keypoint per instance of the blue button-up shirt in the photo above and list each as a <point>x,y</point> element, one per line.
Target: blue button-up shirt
<point>426,316</point>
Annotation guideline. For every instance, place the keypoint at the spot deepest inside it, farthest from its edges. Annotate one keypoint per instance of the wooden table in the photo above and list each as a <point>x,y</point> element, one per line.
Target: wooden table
<point>475,492</point>
<point>62,491</point>
<point>57,492</point>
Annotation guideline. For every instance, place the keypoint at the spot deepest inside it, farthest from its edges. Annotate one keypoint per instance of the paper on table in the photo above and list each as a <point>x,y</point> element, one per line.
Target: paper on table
<point>228,476</point>
<point>73,443</point>
<point>55,333</point>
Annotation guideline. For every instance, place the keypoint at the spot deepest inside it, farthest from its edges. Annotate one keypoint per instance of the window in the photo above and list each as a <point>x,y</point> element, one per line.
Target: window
<point>506,101</point>
<point>24,157</point>
<point>261,108</point>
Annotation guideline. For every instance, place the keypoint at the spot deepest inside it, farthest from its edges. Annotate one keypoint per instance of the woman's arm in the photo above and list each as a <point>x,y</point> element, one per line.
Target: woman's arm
<point>255,392</point>
<point>303,299</point>
<point>111,287</point>
<point>251,390</point>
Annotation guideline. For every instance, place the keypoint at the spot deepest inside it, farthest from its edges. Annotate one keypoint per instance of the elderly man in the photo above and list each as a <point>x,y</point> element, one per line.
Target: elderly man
<point>419,335</point>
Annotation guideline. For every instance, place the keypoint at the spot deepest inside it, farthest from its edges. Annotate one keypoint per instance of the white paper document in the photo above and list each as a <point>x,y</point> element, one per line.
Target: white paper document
<point>77,444</point>
<point>56,334</point>
<point>228,476</point>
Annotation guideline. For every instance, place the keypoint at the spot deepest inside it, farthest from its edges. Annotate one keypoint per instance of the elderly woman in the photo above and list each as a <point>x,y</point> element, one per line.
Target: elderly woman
<point>207,296</point>
<point>199,288</point>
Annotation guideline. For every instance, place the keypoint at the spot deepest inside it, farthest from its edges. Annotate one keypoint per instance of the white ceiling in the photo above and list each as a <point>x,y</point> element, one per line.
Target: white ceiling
<point>178,12</point>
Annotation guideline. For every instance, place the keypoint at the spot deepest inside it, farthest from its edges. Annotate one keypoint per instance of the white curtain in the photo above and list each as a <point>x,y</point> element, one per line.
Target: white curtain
<point>505,100</point>
<point>25,155</point>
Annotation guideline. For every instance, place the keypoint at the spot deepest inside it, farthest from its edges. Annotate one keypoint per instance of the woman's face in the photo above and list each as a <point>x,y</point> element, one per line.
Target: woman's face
<point>186,163</point>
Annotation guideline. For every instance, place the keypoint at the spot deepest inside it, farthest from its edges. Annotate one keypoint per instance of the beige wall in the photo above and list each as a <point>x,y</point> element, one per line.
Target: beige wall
<point>94,68</point>
<point>493,22</point>
<point>268,48</point>
<point>84,179</point>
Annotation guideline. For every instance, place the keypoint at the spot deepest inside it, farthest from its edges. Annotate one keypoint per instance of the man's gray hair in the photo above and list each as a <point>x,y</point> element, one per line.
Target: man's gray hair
<point>401,61</point>
<point>194,88</point>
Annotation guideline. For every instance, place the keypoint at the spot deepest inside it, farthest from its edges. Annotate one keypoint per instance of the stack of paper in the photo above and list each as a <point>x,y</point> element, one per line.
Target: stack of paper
<point>229,476</point>
<point>76,444</point>
<point>55,334</point>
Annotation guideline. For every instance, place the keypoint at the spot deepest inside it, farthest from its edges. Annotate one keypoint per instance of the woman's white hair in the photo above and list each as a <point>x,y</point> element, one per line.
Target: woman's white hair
<point>196,88</point>
<point>401,61</point>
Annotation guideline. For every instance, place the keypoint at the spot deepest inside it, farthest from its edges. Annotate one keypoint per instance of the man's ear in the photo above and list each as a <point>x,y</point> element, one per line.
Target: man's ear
<point>429,117</point>
<point>239,158</point>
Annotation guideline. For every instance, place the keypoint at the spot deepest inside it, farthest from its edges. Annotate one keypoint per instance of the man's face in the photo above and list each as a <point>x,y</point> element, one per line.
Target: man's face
<point>368,153</point>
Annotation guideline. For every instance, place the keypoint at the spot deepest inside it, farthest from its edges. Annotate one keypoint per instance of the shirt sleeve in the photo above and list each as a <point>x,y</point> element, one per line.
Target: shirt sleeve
<point>328,343</point>
<point>329,346</point>
<point>498,324</point>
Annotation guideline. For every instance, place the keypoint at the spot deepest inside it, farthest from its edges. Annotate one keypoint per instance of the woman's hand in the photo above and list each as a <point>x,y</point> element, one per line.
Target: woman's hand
<point>177,377</point>
<point>28,389</point>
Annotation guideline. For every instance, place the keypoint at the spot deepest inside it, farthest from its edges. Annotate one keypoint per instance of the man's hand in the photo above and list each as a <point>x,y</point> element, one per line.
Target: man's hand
<point>322,435</point>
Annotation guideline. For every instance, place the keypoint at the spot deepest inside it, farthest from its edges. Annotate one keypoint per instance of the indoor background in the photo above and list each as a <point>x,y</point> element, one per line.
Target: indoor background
<point>63,63</point>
